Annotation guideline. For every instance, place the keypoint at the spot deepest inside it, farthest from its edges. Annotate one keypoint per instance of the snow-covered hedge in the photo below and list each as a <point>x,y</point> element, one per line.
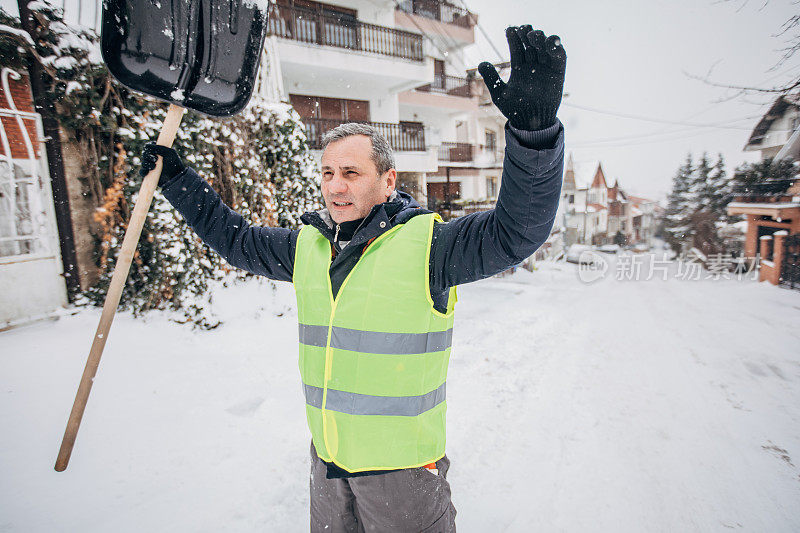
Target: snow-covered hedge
<point>258,161</point>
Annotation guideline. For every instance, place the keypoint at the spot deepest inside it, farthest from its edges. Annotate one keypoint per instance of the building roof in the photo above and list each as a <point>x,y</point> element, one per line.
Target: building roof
<point>569,175</point>
<point>599,179</point>
<point>776,111</point>
<point>638,200</point>
<point>783,210</point>
<point>584,172</point>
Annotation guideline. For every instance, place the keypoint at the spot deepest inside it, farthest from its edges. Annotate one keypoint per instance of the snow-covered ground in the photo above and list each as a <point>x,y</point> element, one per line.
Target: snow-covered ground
<point>613,406</point>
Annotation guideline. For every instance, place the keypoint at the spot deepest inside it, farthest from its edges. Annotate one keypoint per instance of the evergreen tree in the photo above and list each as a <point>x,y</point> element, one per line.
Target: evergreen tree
<point>719,189</point>
<point>765,178</point>
<point>702,189</point>
<point>680,207</point>
<point>708,211</point>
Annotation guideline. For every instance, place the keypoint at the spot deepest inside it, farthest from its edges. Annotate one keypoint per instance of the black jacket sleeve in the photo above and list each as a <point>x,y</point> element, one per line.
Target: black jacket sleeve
<point>482,244</point>
<point>264,251</point>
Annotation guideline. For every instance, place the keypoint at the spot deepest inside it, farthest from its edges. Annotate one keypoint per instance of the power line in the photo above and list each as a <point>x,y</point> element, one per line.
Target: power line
<point>651,119</point>
<point>662,132</point>
<point>662,138</point>
<point>628,144</point>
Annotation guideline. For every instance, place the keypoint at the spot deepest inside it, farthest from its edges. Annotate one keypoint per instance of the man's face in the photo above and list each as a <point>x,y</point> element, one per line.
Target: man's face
<point>350,181</point>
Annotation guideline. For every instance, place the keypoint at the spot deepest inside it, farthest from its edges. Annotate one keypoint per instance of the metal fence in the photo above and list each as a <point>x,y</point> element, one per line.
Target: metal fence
<point>343,31</point>
<point>438,10</point>
<point>456,152</point>
<point>452,85</point>
<point>401,137</point>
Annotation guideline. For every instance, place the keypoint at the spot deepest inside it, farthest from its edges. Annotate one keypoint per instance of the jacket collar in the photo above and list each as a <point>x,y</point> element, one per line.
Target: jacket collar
<point>397,209</point>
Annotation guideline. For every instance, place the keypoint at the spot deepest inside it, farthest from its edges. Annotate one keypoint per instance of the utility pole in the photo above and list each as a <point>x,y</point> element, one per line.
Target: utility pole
<point>44,106</point>
<point>446,205</point>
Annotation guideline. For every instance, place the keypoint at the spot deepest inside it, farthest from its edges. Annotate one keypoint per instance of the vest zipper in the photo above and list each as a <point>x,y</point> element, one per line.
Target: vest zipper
<point>336,235</point>
<point>328,355</point>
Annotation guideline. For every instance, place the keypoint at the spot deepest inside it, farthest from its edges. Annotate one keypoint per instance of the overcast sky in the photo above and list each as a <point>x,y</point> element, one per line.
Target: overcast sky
<point>629,57</point>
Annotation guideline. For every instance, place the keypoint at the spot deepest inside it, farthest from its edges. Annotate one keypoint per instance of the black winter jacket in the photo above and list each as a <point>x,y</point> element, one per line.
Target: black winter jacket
<point>465,249</point>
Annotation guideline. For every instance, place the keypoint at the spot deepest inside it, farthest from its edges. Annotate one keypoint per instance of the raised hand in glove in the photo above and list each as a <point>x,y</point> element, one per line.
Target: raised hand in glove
<point>532,95</point>
<point>172,163</point>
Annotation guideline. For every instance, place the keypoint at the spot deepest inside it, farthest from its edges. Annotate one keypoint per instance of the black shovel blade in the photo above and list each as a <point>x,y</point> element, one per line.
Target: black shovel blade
<point>198,54</point>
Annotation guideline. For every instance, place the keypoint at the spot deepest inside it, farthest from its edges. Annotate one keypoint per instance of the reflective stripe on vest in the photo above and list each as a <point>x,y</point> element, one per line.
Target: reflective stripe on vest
<point>376,341</point>
<point>374,359</point>
<point>365,404</point>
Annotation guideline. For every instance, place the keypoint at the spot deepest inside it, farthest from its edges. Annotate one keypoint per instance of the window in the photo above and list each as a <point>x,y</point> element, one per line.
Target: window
<point>22,216</point>
<point>330,108</point>
<point>438,74</point>
<point>491,141</point>
<point>315,22</point>
<point>491,187</point>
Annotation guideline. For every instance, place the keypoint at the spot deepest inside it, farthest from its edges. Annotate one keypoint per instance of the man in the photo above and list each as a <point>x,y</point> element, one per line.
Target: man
<point>375,278</point>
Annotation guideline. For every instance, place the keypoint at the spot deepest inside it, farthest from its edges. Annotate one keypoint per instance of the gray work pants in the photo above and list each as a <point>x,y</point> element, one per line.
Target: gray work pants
<point>411,500</point>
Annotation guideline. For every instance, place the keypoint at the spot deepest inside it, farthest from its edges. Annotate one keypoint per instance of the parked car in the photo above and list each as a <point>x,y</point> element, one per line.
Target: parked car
<point>575,251</point>
<point>609,248</point>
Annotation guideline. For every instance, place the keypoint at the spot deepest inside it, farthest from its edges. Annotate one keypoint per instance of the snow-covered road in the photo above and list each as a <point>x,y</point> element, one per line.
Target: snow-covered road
<point>613,406</point>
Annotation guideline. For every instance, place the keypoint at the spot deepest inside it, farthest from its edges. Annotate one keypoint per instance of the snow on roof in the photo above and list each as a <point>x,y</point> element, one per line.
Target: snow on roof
<point>638,200</point>
<point>584,172</point>
<point>765,205</point>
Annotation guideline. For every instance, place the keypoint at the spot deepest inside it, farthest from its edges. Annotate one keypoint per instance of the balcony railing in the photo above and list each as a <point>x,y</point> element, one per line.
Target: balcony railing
<point>451,85</point>
<point>438,10</point>
<point>456,152</point>
<point>342,31</point>
<point>401,137</point>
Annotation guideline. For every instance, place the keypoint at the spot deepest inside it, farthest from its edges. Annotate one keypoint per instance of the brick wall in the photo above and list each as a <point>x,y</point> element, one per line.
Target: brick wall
<point>21,96</point>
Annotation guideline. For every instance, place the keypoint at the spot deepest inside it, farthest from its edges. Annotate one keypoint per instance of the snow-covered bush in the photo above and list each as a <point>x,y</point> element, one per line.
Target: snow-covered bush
<point>258,161</point>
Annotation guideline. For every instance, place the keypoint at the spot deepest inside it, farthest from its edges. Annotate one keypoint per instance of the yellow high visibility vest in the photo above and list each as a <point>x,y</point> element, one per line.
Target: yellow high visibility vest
<point>374,359</point>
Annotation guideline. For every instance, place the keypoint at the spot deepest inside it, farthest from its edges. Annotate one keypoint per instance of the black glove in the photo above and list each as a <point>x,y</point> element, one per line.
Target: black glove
<point>172,163</point>
<point>532,95</point>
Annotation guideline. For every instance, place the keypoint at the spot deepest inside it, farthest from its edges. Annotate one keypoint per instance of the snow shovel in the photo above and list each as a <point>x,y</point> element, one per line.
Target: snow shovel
<point>196,54</point>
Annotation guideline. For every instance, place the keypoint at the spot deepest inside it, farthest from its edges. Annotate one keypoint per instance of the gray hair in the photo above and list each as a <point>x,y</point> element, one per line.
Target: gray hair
<point>382,154</point>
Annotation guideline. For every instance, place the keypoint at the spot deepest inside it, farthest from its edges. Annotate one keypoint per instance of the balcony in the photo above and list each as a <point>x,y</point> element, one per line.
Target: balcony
<point>450,85</point>
<point>469,155</point>
<point>401,137</point>
<point>456,152</point>
<point>323,29</point>
<point>335,54</point>
<point>450,26</point>
<point>441,11</point>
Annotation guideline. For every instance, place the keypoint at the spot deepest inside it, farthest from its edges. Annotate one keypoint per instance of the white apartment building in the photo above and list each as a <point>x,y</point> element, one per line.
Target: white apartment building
<point>399,66</point>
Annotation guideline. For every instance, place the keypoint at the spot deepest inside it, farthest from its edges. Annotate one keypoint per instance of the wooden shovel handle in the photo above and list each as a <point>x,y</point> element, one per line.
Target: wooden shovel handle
<point>165,138</point>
